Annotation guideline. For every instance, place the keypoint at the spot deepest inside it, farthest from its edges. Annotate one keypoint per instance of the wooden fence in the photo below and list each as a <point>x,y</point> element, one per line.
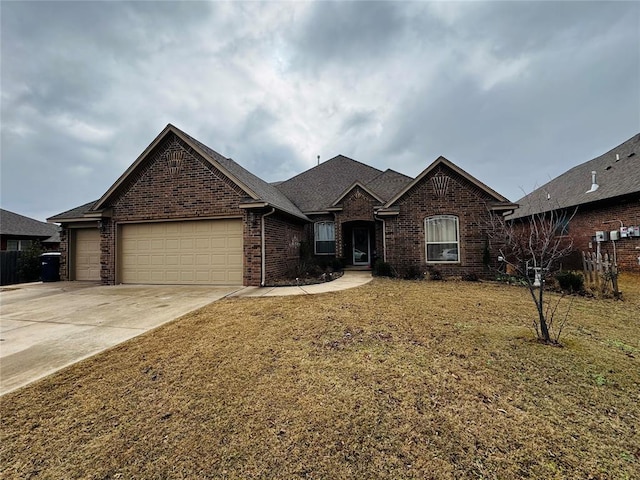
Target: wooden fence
<point>599,271</point>
<point>9,267</point>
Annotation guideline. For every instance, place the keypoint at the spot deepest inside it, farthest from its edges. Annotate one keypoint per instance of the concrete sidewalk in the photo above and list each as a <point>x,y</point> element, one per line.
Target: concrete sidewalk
<point>350,279</point>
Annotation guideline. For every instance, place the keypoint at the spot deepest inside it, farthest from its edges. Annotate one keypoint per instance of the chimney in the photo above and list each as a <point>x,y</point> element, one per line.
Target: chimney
<point>594,185</point>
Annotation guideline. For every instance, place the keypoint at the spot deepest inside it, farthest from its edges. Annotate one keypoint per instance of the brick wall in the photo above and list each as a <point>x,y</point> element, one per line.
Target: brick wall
<point>282,252</point>
<point>405,233</point>
<point>167,187</point>
<point>589,219</point>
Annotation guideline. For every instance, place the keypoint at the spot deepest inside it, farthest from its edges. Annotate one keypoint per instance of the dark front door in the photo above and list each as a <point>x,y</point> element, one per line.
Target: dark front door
<point>361,246</point>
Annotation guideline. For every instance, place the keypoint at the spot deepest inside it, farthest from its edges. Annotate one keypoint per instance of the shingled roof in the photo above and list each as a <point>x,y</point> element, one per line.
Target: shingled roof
<point>314,190</point>
<point>266,192</point>
<point>617,174</point>
<point>74,213</point>
<point>388,183</point>
<point>20,226</point>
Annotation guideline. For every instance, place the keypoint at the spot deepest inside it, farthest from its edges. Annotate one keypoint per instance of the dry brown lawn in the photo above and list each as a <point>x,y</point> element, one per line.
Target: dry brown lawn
<point>395,380</point>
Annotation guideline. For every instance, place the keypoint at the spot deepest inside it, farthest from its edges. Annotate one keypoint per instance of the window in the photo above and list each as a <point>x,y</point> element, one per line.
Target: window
<point>442,239</point>
<point>562,227</point>
<point>325,238</point>
<point>18,244</point>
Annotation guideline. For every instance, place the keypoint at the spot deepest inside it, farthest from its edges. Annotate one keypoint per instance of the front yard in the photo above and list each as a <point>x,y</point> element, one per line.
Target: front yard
<point>396,379</point>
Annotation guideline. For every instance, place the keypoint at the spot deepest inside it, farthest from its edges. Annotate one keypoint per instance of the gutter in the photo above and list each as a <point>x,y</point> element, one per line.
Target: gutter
<point>263,273</point>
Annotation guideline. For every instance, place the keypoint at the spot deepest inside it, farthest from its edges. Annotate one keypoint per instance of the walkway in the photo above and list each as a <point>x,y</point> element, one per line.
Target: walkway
<point>350,279</point>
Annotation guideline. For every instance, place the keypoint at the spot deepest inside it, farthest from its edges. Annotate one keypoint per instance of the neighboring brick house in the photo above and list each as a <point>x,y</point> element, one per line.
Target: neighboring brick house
<point>184,214</point>
<point>604,194</point>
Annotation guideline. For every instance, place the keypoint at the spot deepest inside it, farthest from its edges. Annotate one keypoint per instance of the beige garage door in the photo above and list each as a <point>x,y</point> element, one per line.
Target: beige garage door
<point>205,252</point>
<point>87,265</point>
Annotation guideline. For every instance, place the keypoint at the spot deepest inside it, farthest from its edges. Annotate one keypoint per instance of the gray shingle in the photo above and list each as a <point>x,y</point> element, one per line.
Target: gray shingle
<point>314,190</point>
<point>265,191</point>
<point>76,212</point>
<point>388,183</point>
<point>19,225</point>
<point>615,176</point>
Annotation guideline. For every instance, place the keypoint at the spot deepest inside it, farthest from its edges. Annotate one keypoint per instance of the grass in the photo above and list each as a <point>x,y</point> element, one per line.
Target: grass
<point>395,379</point>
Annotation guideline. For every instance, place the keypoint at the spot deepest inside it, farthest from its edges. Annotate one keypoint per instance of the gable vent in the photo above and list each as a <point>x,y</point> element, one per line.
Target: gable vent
<point>440,184</point>
<point>174,157</point>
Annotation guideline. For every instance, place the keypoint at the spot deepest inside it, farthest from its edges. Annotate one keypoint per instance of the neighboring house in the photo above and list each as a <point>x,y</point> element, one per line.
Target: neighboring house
<point>604,194</point>
<point>18,232</point>
<point>184,214</point>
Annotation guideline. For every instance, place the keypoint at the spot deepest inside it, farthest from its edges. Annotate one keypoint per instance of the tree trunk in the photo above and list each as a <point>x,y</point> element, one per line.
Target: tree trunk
<point>544,330</point>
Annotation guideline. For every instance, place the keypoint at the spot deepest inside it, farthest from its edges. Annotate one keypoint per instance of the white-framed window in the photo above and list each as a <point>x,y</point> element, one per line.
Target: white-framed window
<point>442,239</point>
<point>18,244</point>
<point>325,238</point>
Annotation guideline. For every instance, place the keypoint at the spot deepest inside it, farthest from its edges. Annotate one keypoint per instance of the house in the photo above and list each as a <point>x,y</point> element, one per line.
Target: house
<point>184,214</point>
<point>603,195</point>
<point>18,232</point>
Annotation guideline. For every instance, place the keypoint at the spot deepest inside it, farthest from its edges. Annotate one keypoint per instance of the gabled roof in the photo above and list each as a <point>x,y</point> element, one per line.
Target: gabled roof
<point>314,190</point>
<point>350,188</point>
<point>617,174</point>
<point>257,190</point>
<point>443,161</point>
<point>19,225</point>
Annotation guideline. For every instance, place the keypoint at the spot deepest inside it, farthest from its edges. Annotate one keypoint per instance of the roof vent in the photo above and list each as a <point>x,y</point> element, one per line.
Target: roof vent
<point>617,157</point>
<point>594,185</point>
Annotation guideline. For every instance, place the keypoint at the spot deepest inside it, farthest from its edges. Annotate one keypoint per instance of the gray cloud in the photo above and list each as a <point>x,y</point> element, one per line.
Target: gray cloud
<point>514,92</point>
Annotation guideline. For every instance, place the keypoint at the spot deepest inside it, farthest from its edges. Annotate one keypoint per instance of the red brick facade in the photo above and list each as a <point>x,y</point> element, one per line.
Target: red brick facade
<point>178,180</point>
<point>589,219</point>
<point>405,232</point>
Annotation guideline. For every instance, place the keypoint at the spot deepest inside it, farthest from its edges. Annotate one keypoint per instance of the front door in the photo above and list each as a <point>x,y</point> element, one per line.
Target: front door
<point>361,247</point>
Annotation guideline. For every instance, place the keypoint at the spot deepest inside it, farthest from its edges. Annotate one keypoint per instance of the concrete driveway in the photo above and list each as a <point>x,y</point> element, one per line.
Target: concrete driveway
<point>47,326</point>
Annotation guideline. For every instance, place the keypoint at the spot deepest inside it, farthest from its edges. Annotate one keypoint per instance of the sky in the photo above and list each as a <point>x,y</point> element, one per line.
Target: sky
<point>513,92</point>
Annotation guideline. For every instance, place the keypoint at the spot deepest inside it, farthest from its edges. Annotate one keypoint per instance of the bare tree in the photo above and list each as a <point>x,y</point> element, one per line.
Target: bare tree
<point>533,248</point>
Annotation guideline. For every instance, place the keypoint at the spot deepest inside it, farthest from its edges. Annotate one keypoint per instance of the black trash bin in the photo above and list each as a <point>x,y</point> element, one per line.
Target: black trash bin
<point>50,267</point>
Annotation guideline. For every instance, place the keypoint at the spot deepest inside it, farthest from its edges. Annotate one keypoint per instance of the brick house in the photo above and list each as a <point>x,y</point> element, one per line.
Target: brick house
<point>184,214</point>
<point>604,194</point>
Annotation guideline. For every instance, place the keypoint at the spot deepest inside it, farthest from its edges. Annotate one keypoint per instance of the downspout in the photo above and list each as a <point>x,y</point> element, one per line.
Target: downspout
<point>384,239</point>
<point>263,273</point>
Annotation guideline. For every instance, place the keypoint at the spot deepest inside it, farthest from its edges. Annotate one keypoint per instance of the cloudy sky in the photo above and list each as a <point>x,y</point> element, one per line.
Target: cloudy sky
<point>513,92</point>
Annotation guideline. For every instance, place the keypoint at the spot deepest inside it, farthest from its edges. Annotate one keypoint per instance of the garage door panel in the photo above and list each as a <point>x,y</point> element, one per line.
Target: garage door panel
<point>193,252</point>
<point>87,254</point>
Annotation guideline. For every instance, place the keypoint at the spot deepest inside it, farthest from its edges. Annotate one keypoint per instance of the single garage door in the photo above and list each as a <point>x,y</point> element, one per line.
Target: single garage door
<point>87,264</point>
<point>204,252</point>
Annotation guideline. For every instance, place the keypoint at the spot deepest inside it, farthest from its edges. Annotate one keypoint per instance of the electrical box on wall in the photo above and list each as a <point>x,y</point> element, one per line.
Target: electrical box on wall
<point>601,236</point>
<point>614,235</point>
<point>633,231</point>
<point>624,232</point>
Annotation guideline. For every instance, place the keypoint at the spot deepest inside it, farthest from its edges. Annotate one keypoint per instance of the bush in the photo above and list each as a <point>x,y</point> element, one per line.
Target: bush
<point>434,273</point>
<point>470,277</point>
<point>382,269</point>
<point>413,273</point>
<point>30,264</point>
<point>338,264</point>
<point>570,282</point>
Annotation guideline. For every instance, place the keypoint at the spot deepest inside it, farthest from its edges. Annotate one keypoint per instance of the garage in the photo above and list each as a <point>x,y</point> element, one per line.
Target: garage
<point>198,252</point>
<point>87,257</point>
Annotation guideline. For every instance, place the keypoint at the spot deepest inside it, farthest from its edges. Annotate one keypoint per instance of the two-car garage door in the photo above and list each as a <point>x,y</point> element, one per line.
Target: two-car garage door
<point>207,252</point>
